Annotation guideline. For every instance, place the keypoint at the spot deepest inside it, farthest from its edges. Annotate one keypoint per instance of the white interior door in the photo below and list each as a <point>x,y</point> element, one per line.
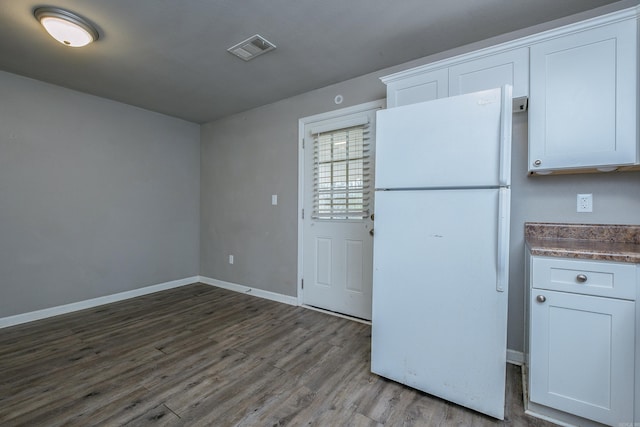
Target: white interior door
<point>337,224</point>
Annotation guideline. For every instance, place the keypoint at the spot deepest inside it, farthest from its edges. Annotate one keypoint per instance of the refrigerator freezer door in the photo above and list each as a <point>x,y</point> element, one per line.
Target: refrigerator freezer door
<point>461,141</point>
<point>439,323</point>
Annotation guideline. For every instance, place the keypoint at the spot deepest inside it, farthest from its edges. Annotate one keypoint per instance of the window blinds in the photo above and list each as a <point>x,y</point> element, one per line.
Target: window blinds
<point>341,179</point>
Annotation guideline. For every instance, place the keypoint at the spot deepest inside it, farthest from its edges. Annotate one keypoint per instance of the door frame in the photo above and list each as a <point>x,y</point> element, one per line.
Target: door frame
<point>302,123</point>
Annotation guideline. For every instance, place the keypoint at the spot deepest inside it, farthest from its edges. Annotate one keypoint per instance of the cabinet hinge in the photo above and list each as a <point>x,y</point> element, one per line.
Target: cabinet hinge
<point>302,283</point>
<point>302,213</point>
<point>303,139</point>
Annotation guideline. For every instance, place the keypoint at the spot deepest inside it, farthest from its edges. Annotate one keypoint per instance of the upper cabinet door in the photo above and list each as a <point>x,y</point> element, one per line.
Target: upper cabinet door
<point>418,88</point>
<point>510,67</point>
<point>583,99</point>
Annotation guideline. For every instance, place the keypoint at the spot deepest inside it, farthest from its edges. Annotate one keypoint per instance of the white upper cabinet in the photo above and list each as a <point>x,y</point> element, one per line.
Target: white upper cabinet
<point>583,99</point>
<point>582,84</point>
<point>489,69</point>
<point>418,87</point>
<point>488,72</point>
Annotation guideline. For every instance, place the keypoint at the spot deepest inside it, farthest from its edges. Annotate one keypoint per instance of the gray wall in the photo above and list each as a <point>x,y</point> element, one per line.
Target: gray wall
<point>616,200</point>
<point>245,158</point>
<point>249,156</point>
<point>96,197</point>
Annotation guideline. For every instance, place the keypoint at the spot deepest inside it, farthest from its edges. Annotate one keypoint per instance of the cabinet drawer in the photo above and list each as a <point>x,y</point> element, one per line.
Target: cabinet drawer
<point>607,279</point>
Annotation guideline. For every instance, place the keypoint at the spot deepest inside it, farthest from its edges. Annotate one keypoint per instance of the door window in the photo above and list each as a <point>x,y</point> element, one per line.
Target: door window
<point>342,173</point>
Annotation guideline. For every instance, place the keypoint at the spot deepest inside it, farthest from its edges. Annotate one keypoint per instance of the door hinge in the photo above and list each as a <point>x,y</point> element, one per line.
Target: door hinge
<point>302,213</point>
<point>302,283</point>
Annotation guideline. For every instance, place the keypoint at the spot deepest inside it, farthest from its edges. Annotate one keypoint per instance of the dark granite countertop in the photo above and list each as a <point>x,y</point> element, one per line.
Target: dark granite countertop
<point>602,242</point>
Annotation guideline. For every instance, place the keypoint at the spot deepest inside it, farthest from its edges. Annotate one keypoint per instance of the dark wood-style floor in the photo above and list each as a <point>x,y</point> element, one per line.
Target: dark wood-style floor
<point>199,355</point>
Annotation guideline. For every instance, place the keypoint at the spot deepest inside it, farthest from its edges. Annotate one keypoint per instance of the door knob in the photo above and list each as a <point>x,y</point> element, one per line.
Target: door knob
<point>371,232</point>
<point>541,298</point>
<point>581,278</point>
<point>372,217</point>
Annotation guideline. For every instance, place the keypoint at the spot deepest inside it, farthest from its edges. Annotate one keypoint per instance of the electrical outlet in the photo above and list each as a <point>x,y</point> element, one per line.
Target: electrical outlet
<point>230,259</point>
<point>585,203</point>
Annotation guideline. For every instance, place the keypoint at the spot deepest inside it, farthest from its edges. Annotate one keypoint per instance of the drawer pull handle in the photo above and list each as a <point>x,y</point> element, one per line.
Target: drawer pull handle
<point>541,298</point>
<point>581,278</point>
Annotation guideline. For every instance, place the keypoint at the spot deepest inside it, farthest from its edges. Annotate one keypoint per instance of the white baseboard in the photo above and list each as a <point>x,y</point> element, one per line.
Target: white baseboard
<point>273,296</point>
<point>94,302</point>
<point>515,357</point>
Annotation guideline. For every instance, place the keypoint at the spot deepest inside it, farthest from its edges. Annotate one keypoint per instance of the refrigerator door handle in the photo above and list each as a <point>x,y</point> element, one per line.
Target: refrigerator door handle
<point>502,264</point>
<point>505,135</point>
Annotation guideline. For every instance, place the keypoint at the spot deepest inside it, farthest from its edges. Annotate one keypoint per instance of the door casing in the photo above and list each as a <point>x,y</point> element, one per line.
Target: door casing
<point>379,104</point>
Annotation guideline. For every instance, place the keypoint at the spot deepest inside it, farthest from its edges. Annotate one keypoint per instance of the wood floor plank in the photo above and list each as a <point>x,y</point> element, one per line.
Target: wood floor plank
<point>158,415</point>
<point>33,394</point>
<point>131,404</point>
<point>281,412</point>
<point>226,401</point>
<point>199,355</point>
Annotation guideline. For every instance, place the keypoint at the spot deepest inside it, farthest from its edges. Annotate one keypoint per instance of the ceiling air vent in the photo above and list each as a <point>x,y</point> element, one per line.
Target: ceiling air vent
<point>252,47</point>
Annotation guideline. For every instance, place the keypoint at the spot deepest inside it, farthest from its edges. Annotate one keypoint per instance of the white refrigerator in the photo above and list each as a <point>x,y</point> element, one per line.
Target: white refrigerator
<point>441,246</point>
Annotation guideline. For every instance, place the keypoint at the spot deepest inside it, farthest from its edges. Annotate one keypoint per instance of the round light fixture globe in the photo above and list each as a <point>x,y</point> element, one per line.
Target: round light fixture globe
<point>66,27</point>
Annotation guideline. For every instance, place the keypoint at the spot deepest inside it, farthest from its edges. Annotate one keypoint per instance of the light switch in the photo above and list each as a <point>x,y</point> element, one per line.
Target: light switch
<point>274,199</point>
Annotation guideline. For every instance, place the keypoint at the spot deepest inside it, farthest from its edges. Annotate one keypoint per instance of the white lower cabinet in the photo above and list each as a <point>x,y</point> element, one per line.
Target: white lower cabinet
<point>581,346</point>
<point>582,355</point>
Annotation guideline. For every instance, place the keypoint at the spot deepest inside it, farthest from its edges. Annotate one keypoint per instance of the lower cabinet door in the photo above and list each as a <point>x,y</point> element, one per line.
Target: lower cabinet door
<point>581,353</point>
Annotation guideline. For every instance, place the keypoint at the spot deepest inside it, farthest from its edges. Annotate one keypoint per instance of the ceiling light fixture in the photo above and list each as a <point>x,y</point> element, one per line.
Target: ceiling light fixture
<point>66,27</point>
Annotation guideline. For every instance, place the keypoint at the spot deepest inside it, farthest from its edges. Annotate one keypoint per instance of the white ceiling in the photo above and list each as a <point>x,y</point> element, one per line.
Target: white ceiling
<point>170,55</point>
